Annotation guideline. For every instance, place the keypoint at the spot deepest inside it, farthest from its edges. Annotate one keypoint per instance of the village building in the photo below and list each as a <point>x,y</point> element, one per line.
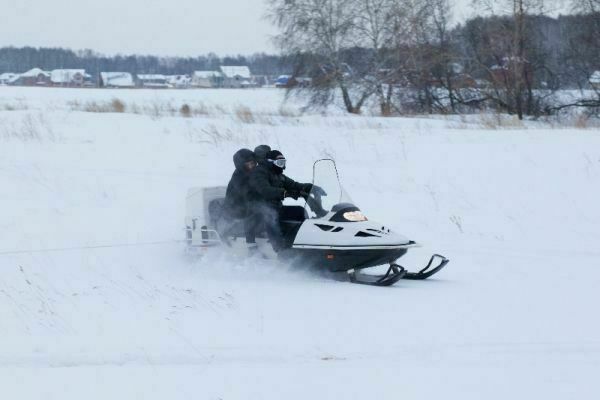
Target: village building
<point>179,81</point>
<point>33,77</point>
<point>504,73</point>
<point>207,79</point>
<point>116,80</point>
<point>289,81</point>
<point>69,77</point>
<point>8,78</point>
<point>152,81</point>
<point>236,76</point>
<point>285,82</point>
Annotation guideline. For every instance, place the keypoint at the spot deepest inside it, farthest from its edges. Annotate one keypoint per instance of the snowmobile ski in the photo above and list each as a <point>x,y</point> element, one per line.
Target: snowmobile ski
<point>428,270</point>
<point>394,274</point>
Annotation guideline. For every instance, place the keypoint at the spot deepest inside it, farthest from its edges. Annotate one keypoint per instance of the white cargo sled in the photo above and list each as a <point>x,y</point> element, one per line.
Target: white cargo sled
<point>329,232</point>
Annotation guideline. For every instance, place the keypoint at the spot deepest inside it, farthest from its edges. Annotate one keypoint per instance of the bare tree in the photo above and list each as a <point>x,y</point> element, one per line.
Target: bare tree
<point>590,6</point>
<point>376,24</point>
<point>512,77</point>
<point>583,56</point>
<point>326,29</point>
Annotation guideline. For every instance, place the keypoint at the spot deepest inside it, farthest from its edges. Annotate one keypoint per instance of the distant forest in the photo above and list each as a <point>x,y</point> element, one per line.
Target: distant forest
<point>559,41</point>
<point>19,60</point>
<point>554,38</point>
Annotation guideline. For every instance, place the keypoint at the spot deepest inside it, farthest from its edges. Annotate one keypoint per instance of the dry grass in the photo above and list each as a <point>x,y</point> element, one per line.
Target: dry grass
<point>288,112</point>
<point>201,110</point>
<point>185,110</point>
<point>31,128</point>
<point>159,109</point>
<point>117,105</point>
<point>19,105</point>
<point>584,121</point>
<point>113,106</point>
<point>496,121</point>
<point>245,115</point>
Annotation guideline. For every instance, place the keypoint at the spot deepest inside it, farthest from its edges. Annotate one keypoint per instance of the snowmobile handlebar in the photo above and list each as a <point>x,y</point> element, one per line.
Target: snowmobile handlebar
<point>315,204</point>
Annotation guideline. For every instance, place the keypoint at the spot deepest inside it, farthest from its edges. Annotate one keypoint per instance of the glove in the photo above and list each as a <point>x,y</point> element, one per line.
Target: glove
<point>307,187</point>
<point>291,193</point>
<point>318,190</point>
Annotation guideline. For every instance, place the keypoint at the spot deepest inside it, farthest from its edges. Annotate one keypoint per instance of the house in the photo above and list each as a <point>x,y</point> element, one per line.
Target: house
<point>33,77</point>
<point>88,80</point>
<point>236,76</point>
<point>595,80</point>
<point>207,79</point>
<point>503,74</point>
<point>8,78</point>
<point>116,80</point>
<point>288,81</point>
<point>463,81</point>
<point>179,81</point>
<point>69,77</point>
<point>285,82</point>
<point>152,81</point>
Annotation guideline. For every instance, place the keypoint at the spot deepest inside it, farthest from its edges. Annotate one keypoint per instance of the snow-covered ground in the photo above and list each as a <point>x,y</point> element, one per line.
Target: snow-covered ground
<point>512,315</point>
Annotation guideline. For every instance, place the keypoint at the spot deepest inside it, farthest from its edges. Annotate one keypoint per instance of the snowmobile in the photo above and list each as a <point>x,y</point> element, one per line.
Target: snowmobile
<point>328,232</point>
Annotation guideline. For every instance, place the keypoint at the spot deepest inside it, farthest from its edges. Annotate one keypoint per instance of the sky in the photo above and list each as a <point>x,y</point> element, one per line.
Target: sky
<point>169,28</point>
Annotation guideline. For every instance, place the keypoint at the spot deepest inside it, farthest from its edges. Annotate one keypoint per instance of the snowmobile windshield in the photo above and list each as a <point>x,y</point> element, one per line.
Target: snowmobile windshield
<point>327,192</point>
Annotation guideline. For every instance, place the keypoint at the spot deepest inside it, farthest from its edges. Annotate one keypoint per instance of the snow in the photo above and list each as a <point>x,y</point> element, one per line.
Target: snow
<point>512,315</point>
<point>34,73</point>
<point>8,77</point>
<point>206,74</point>
<point>65,75</point>
<point>151,77</point>
<point>233,71</point>
<point>595,78</point>
<point>117,79</point>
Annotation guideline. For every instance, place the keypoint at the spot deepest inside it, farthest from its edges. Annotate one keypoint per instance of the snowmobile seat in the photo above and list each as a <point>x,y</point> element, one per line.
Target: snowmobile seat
<point>222,222</point>
<point>290,219</point>
<point>293,214</point>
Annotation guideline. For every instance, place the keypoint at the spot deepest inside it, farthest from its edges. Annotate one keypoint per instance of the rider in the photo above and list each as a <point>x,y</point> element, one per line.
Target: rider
<point>268,187</point>
<point>236,197</point>
<point>260,152</point>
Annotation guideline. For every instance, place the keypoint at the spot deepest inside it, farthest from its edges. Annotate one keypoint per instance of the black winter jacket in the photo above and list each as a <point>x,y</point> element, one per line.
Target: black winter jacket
<point>236,197</point>
<point>268,187</point>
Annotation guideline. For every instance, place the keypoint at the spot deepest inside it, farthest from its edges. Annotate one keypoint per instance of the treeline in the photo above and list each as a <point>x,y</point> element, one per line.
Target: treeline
<point>19,60</point>
<point>407,56</point>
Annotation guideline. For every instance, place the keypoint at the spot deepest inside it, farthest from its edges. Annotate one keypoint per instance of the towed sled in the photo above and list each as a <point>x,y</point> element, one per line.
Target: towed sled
<point>329,232</point>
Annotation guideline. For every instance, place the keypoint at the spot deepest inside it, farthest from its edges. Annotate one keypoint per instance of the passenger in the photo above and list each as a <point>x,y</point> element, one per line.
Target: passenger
<point>268,187</point>
<point>260,152</point>
<point>236,197</point>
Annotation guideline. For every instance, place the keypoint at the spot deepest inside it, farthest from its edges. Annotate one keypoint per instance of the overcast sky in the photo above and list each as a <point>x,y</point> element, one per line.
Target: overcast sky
<point>162,27</point>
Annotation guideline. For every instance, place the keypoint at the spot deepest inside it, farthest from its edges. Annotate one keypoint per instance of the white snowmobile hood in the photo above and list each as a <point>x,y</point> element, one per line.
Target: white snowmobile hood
<point>324,234</point>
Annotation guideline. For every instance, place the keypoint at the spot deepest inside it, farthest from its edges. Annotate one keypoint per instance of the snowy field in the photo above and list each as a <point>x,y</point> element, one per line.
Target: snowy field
<point>515,208</point>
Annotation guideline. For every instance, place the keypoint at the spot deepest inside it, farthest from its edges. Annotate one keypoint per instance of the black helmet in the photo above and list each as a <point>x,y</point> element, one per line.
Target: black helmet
<point>277,165</point>
<point>261,152</point>
<point>241,157</point>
